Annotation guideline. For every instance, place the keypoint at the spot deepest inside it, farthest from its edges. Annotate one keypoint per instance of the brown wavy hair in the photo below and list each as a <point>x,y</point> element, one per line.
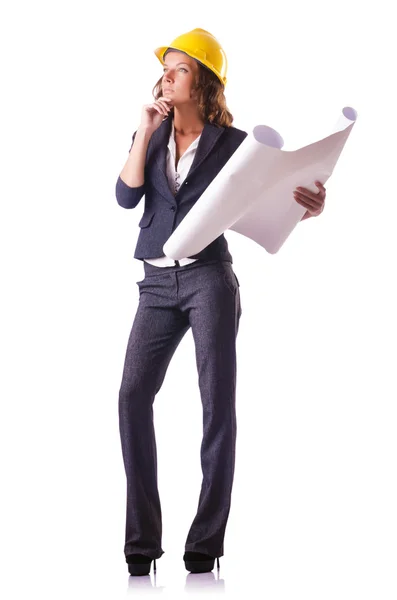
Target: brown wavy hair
<point>210,96</point>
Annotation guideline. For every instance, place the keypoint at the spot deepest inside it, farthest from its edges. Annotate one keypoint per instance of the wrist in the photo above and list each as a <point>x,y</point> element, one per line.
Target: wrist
<point>144,131</point>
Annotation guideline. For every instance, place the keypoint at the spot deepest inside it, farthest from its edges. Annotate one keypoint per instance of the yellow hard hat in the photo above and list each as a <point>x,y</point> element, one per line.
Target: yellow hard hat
<point>202,46</point>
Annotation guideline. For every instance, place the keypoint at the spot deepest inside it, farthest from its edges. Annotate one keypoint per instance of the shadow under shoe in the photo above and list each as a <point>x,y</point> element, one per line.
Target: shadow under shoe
<point>197,562</point>
<point>139,564</point>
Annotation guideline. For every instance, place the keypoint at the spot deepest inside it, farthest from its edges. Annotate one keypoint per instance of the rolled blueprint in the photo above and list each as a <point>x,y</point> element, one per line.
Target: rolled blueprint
<point>253,193</point>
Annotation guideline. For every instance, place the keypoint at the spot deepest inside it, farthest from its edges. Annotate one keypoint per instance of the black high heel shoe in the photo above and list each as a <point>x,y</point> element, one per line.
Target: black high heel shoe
<point>139,564</point>
<point>197,562</point>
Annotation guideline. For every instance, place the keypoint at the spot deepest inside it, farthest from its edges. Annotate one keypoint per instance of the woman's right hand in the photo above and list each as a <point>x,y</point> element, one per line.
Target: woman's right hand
<point>153,114</point>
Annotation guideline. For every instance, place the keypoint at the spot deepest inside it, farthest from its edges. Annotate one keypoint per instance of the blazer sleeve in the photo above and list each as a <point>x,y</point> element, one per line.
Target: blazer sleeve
<point>126,196</point>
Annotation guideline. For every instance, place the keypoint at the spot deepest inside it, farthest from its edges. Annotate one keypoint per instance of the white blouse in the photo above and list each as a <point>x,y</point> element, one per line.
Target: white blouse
<point>176,176</point>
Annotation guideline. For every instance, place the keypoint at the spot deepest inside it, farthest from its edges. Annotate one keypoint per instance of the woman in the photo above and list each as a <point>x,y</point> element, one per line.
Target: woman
<point>184,139</point>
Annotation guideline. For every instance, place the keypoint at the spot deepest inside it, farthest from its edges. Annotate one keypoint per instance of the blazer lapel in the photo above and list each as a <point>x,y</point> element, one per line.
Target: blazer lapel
<point>209,136</point>
<point>159,176</point>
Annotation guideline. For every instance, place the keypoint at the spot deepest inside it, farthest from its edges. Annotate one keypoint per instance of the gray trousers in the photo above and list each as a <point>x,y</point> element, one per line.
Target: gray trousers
<point>206,297</point>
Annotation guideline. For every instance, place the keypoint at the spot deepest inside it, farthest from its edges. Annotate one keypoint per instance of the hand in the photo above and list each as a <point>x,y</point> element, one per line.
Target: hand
<point>314,203</point>
<point>153,114</point>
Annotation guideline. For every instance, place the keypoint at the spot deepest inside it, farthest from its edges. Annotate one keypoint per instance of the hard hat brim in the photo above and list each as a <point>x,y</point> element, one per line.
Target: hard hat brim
<point>159,52</point>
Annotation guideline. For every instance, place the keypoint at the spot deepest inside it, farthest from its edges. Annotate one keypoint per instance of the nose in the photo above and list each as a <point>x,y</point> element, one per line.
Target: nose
<point>167,76</point>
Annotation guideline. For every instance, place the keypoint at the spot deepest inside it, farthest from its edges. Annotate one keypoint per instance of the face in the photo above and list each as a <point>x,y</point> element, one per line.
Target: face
<point>179,77</point>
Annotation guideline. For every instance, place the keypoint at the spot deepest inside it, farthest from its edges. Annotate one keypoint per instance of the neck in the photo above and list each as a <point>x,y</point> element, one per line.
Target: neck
<point>187,120</point>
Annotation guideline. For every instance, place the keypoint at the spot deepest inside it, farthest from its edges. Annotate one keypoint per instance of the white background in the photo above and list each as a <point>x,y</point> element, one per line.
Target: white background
<point>313,507</point>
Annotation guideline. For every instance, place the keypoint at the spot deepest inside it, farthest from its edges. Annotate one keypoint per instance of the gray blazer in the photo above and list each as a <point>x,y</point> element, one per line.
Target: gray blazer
<point>164,211</point>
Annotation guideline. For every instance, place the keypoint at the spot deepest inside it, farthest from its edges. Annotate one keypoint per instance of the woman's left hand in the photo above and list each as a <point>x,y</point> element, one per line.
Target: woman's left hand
<point>314,203</point>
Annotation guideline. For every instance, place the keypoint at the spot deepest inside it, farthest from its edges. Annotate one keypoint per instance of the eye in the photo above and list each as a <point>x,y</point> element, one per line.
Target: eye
<point>183,69</point>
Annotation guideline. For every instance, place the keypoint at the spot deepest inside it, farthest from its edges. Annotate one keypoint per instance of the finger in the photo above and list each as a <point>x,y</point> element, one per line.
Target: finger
<point>161,106</point>
<point>312,211</point>
<point>167,107</point>
<point>307,193</point>
<point>306,201</point>
<point>323,191</point>
<point>158,108</point>
<point>164,102</point>
<point>302,203</point>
